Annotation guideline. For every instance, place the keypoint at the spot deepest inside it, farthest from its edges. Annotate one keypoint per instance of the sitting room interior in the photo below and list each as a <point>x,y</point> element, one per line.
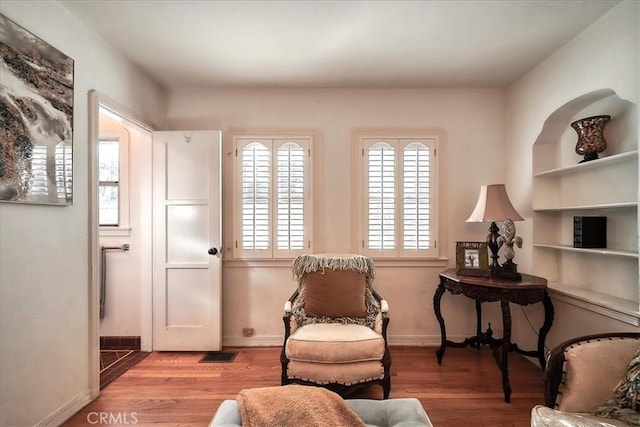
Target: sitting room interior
<point>192,94</point>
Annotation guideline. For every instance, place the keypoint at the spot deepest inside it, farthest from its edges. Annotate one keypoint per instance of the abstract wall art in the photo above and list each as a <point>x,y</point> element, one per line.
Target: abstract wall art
<point>36,119</point>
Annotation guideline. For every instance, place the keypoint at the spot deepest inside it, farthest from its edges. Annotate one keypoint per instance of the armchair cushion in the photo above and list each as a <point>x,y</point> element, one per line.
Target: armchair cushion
<point>334,293</point>
<point>584,388</point>
<point>334,343</point>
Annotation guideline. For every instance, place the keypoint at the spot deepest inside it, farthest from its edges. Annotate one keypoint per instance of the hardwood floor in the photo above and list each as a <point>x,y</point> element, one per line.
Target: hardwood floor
<point>172,388</point>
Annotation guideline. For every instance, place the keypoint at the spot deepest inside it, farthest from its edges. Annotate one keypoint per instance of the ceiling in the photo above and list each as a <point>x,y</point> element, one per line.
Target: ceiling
<point>322,43</point>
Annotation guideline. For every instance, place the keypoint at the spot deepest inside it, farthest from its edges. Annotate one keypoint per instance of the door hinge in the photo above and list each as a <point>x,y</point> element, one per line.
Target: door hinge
<point>363,152</point>
<point>308,244</point>
<point>363,243</point>
<point>435,243</point>
<point>309,152</point>
<point>236,244</point>
<point>236,152</point>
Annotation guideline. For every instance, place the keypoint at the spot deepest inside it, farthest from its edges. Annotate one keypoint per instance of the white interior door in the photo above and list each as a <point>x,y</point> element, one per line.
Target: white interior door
<point>187,263</point>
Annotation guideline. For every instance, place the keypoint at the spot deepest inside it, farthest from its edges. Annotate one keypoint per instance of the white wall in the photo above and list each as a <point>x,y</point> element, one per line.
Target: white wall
<point>605,55</point>
<point>44,279</point>
<point>473,154</point>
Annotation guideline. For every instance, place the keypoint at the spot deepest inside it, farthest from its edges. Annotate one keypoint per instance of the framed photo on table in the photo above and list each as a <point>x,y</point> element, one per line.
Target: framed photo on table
<point>472,259</point>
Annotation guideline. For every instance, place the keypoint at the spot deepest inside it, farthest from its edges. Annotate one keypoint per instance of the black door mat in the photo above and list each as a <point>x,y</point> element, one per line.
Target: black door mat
<point>218,356</point>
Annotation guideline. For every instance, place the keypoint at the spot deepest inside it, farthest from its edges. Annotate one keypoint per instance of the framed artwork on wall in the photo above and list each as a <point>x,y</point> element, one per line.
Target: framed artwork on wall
<point>472,259</point>
<point>36,101</point>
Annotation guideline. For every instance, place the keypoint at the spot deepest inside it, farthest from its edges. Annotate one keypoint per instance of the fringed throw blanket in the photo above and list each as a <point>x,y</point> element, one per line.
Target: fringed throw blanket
<point>295,406</point>
<point>307,263</point>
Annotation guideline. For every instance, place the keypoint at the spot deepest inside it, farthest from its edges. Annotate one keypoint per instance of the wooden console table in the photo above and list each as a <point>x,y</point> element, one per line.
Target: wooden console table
<point>530,290</point>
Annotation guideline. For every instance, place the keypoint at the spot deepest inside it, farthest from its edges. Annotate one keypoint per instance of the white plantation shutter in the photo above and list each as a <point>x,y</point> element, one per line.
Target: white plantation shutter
<point>416,201</point>
<point>255,193</point>
<point>381,196</point>
<point>275,209</point>
<point>291,194</point>
<point>399,176</point>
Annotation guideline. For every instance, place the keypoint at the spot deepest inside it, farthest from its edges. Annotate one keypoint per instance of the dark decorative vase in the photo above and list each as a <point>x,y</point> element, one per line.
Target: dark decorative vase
<point>590,136</point>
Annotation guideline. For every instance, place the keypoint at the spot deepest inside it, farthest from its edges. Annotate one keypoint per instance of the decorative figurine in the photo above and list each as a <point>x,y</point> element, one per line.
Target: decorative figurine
<point>508,237</point>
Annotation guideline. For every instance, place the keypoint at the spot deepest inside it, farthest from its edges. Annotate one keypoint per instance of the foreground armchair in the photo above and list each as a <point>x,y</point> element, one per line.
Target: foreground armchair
<point>335,326</point>
<point>582,378</point>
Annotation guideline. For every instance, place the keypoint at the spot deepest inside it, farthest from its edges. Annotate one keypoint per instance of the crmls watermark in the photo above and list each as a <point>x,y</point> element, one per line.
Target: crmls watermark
<point>111,418</point>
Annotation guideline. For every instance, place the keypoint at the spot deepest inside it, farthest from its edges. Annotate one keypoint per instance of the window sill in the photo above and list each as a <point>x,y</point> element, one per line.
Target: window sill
<point>286,263</point>
<point>115,231</point>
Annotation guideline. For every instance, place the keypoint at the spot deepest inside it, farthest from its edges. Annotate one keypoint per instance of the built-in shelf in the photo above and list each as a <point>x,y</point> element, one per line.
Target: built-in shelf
<point>589,278</point>
<point>589,207</point>
<point>604,161</point>
<point>598,251</point>
<point>624,310</point>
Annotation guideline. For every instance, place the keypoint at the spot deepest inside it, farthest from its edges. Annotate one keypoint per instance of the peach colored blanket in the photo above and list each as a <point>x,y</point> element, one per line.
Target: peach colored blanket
<point>295,406</point>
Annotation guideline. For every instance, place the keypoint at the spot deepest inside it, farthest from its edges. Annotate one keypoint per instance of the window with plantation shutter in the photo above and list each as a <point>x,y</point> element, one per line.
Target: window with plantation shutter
<point>399,180</point>
<point>274,177</point>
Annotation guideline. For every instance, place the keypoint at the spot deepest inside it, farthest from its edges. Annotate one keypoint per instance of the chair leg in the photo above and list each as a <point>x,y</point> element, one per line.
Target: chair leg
<point>386,387</point>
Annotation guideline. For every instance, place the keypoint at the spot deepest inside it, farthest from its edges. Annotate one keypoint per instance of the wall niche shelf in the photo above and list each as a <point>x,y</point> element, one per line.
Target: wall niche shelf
<point>601,162</point>
<point>589,207</point>
<point>598,251</point>
<point>602,280</point>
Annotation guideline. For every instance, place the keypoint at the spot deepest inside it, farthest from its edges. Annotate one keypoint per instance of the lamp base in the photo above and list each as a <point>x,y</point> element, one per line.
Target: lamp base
<point>509,271</point>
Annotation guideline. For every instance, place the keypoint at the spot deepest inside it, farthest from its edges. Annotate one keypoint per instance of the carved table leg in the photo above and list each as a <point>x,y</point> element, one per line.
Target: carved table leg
<point>548,320</point>
<point>443,334</point>
<point>478,323</point>
<point>504,349</point>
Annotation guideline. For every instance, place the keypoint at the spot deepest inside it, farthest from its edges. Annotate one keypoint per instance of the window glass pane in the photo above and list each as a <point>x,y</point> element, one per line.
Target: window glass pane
<point>381,197</point>
<point>109,160</point>
<point>416,202</point>
<point>108,203</point>
<point>255,196</point>
<point>290,207</point>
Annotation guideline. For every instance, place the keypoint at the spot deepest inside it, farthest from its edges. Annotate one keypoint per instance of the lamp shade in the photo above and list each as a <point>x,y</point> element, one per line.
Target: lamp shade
<point>493,205</point>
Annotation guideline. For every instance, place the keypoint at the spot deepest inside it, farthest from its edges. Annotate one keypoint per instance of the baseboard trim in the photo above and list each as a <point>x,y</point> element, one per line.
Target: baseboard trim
<point>65,412</point>
<point>415,340</point>
<point>276,340</point>
<point>120,342</point>
<point>259,341</point>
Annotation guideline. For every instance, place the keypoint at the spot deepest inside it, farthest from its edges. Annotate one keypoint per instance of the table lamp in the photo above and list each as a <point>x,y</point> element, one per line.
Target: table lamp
<point>494,205</point>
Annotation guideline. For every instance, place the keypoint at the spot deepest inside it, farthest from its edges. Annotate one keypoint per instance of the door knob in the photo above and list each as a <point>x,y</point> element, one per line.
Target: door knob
<point>212,251</point>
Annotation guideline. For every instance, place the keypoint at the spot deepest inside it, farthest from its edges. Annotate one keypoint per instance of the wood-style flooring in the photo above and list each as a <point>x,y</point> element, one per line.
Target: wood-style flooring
<point>173,389</point>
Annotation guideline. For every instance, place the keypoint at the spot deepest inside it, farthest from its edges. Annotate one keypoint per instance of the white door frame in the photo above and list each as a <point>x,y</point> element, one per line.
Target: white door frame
<point>96,99</point>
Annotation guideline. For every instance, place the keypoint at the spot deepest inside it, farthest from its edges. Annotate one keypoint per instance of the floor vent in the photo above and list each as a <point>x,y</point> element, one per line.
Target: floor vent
<point>218,356</point>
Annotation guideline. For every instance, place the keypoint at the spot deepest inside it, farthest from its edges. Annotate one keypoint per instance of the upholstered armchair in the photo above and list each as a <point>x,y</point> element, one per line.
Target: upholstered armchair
<point>335,325</point>
<point>585,381</point>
